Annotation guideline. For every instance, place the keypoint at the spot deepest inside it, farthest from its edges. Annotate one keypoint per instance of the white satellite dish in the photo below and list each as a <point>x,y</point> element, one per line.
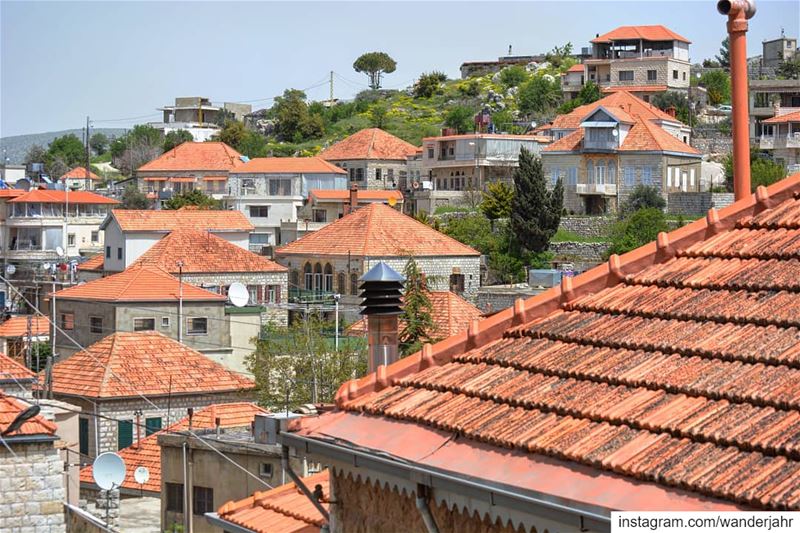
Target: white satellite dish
<point>614,133</point>
<point>108,470</point>
<point>141,475</point>
<point>238,294</point>
<point>47,266</point>
<point>10,269</point>
<point>59,251</point>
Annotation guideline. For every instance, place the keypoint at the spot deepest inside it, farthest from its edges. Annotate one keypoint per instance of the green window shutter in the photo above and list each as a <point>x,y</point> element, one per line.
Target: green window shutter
<point>152,425</point>
<point>124,434</point>
<point>83,435</point>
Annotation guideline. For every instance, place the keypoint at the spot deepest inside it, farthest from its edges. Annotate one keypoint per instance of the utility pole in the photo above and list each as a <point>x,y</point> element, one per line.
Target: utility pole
<point>330,101</point>
<point>88,180</point>
<point>180,301</point>
<point>49,372</point>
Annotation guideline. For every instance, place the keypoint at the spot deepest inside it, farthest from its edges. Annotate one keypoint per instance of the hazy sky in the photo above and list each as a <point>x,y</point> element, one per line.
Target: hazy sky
<point>61,61</point>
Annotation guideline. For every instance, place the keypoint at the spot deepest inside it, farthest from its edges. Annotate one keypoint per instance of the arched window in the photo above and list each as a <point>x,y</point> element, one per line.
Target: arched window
<point>295,279</point>
<point>341,283</point>
<point>328,279</point>
<point>354,284</point>
<point>309,277</point>
<point>318,277</point>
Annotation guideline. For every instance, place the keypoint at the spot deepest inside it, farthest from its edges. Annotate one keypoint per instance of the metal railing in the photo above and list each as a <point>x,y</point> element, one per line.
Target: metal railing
<point>606,189</point>
<point>301,296</point>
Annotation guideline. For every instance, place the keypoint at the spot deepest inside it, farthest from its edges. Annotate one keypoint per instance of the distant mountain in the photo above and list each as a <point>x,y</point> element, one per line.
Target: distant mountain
<point>17,146</point>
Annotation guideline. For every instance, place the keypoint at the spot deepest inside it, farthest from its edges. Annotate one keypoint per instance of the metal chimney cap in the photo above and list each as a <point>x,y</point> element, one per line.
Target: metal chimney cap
<point>382,272</point>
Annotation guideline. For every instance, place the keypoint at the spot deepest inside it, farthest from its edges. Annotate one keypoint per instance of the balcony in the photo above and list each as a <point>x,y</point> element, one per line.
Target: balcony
<point>603,189</point>
<point>767,142</point>
<point>605,145</point>
<point>302,296</point>
<point>770,142</point>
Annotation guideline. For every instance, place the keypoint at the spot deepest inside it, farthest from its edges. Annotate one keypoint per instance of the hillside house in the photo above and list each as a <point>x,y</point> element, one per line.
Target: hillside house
<point>573,80</point>
<point>199,116</point>
<point>80,179</point>
<point>769,98</point>
<point>781,137</point>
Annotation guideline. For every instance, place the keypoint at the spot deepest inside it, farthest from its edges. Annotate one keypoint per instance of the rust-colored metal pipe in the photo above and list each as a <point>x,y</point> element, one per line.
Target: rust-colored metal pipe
<point>738,12</point>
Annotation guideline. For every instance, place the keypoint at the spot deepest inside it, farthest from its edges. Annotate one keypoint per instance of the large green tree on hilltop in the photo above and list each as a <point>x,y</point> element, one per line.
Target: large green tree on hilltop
<point>375,65</point>
<point>536,211</point>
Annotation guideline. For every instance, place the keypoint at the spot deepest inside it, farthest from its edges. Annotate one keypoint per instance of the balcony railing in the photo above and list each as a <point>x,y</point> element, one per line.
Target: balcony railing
<point>767,142</point>
<point>793,169</point>
<point>604,145</point>
<point>301,296</point>
<point>605,189</point>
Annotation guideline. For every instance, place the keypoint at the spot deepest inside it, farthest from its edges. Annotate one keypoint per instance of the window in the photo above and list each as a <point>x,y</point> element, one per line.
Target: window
<point>652,75</point>
<point>341,285</point>
<point>684,76</point>
<point>108,252</point>
<point>674,74</point>
<point>625,75</point>
<point>390,174</point>
<point>353,284</point>
<point>328,287</point>
<point>359,174</point>
<point>430,153</point>
<point>628,176</point>
<point>70,239</point>
<point>196,326</point>
<point>248,186</point>
<point>647,175</point>
<point>203,500</point>
<point>164,321</point>
<point>259,239</point>
<point>319,215</point>
<point>265,470</point>
<point>174,497</point>
<point>669,176</point>
<point>144,324</point>
<point>67,321</point>
<point>352,174</point>
<point>377,173</point>
<point>281,187</point>
<point>95,324</point>
<point>259,211</point>
<point>691,178</point>
<point>83,435</point>
<point>119,254</point>
<point>95,236</point>
<point>572,176</point>
<point>308,277</point>
<point>124,433</point>
<point>273,293</point>
<point>457,283</point>
<point>554,175</point>
<point>152,425</point>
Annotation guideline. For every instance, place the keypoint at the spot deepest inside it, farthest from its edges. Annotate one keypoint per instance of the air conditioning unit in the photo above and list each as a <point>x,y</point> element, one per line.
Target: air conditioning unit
<point>267,427</point>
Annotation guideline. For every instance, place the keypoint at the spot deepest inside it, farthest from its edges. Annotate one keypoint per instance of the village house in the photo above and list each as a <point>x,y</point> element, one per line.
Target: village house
<point>270,192</point>
<point>15,378</point>
<point>572,81</point>
<point>110,378</point>
<point>19,332</point>
<point>781,137</point>
<point>607,148</point>
<point>80,179</point>
<point>199,116</point>
<point>332,259</point>
<point>775,51</point>
<point>472,68</point>
<point>192,165</point>
<point>372,158</point>
<point>770,98</point>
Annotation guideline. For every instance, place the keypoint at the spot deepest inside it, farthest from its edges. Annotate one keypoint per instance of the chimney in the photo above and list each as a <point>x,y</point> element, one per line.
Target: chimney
<point>352,203</point>
<point>738,12</point>
<point>671,111</point>
<point>381,290</point>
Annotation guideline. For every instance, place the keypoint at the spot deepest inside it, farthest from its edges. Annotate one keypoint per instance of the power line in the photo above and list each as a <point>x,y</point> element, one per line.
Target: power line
<point>126,118</point>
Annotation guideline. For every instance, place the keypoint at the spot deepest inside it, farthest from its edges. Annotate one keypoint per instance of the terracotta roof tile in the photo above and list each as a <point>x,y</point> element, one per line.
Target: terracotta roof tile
<point>80,173</point>
<point>137,283</point>
<point>17,326</point>
<point>330,194</point>
<point>646,136</point>
<point>376,230</point>
<point>11,370</point>
<point>645,33</point>
<point>568,143</point>
<point>371,143</point>
<point>622,100</point>
<point>191,156</point>
<point>783,119</point>
<point>203,252</point>
<point>147,452</point>
<point>288,165</point>
<point>167,220</point>
<point>60,197</point>
<point>11,407</point>
<point>576,68</point>
<point>93,264</point>
<point>129,364</point>
<point>11,193</point>
<point>284,509</point>
<point>677,366</point>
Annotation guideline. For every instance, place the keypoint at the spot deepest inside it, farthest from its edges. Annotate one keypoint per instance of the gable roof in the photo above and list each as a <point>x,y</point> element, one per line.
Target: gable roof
<point>93,264</point>
<point>13,371</point>
<point>129,364</point>
<point>344,195</point>
<point>80,173</point>
<point>578,67</point>
<point>17,326</point>
<point>646,136</point>
<point>140,283</point>
<point>783,119</point>
<point>60,197</point>
<point>370,143</point>
<point>202,252</point>
<point>568,143</point>
<point>376,230</point>
<point>288,165</point>
<point>646,33</point>
<point>623,100</point>
<point>210,155</point>
<point>165,220</point>
<point>36,426</point>
<point>667,378</point>
<point>284,509</point>
<point>147,452</point>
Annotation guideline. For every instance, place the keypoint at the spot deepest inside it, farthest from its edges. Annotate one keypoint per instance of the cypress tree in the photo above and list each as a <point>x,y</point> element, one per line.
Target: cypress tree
<point>417,318</point>
<point>535,212</point>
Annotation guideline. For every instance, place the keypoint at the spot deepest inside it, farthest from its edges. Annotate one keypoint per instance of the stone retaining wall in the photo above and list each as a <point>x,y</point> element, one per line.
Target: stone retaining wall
<point>696,203</point>
<point>588,227</point>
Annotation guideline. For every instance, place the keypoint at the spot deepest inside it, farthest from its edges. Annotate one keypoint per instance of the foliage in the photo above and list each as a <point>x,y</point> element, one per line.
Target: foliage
<point>428,84</point>
<point>298,364</point>
<point>506,268</point>
<point>422,216</point>
<point>138,146</point>
<point>474,230</point>
<point>195,198</point>
<point>763,171</point>
<point>642,197</point>
<point>559,54</point>
<point>513,76</point>
<point>790,69</point>
<point>175,138</point>
<point>294,121</point>
<point>471,88</point>
<point>378,114</point>
<point>718,85</point>
<point>243,140</point>
<point>724,56</point>
<point>36,154</point>
<point>374,65</point>
<point>503,120</point>
<point>711,63</point>
<point>98,143</point>
<point>675,99</point>
<point>133,198</point>
<point>538,94</point>
<point>40,352</point>
<point>589,93</point>
<point>418,326</point>
<point>637,229</point>
<point>497,200</point>
<point>535,212</point>
<point>461,118</point>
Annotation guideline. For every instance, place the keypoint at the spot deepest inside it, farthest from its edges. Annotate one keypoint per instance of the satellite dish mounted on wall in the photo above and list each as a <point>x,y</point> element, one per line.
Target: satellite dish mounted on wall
<point>108,470</point>
<point>10,269</point>
<point>141,475</point>
<point>59,251</point>
<point>238,294</point>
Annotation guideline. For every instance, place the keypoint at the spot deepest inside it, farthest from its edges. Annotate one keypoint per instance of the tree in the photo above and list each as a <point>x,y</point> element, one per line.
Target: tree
<point>195,198</point>
<point>763,171</point>
<point>513,76</point>
<point>67,148</point>
<point>138,146</point>
<point>636,230</point>
<point>294,122</point>
<point>429,84</point>
<point>461,118</point>
<point>298,364</point>
<point>133,198</point>
<point>175,138</point>
<point>99,143</point>
<point>559,54</point>
<point>36,154</point>
<point>790,69</point>
<point>589,93</point>
<point>535,211</point>
<point>538,94</point>
<point>378,114</point>
<point>674,99</point>
<point>245,141</point>
<point>643,197</point>
<point>718,86</point>
<point>497,201</point>
<point>374,65</point>
<point>724,56</point>
<point>418,326</point>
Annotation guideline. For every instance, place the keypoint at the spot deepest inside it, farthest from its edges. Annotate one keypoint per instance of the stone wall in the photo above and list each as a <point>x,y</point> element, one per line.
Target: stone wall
<point>688,203</point>
<point>496,298</point>
<point>587,227</point>
<point>585,252</point>
<point>31,490</point>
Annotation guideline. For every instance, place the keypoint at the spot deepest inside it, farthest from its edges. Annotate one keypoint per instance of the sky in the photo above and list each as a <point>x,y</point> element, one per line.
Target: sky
<point>117,62</point>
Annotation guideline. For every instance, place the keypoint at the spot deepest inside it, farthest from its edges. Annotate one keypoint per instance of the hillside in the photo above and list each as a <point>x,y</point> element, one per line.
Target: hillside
<point>17,146</point>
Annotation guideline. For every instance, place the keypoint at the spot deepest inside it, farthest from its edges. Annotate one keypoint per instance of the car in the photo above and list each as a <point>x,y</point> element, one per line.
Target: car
<point>725,108</point>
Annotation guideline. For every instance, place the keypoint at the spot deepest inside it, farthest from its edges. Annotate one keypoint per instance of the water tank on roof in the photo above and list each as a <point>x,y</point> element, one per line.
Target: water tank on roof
<point>544,277</point>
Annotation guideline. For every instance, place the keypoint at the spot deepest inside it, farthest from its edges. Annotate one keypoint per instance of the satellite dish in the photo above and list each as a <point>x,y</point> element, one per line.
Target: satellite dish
<point>238,294</point>
<point>10,269</point>
<point>108,470</point>
<point>614,133</point>
<point>59,251</point>
<point>46,266</point>
<point>141,475</point>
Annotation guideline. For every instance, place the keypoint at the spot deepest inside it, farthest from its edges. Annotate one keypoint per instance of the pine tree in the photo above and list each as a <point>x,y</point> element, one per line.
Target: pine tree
<point>417,318</point>
<point>497,200</point>
<point>535,212</point>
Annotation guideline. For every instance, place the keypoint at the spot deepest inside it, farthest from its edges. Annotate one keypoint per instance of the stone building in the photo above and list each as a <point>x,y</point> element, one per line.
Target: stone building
<point>605,149</point>
<point>31,484</point>
<point>769,98</point>
<point>80,179</point>
<point>15,378</point>
<point>110,377</point>
<point>469,69</point>
<point>372,158</point>
<point>199,116</point>
<point>332,259</point>
<point>781,137</point>
<point>572,81</point>
<point>19,331</point>
<point>775,51</point>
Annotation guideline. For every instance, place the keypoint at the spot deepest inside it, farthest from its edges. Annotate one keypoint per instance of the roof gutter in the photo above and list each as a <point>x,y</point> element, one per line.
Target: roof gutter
<point>528,502</point>
<point>215,520</point>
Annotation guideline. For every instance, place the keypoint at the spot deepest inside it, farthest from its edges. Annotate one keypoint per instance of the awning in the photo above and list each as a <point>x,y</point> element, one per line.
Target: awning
<point>214,178</point>
<point>155,179</point>
<point>182,180</point>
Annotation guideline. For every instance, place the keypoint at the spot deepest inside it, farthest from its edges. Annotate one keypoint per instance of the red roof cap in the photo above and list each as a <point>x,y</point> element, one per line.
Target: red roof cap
<point>644,33</point>
<point>167,220</point>
<point>371,143</point>
<point>80,173</point>
<point>11,370</point>
<point>93,264</point>
<point>288,165</point>
<point>60,197</point>
<point>783,119</point>
<point>368,194</point>
<point>38,425</point>
<point>17,326</point>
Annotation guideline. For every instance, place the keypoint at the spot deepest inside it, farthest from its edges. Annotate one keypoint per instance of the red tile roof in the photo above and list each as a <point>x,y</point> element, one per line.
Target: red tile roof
<point>376,230</point>
<point>141,283</point>
<point>17,326</point>
<point>129,364</point>
<point>576,68</point>
<point>646,136</point>
<point>11,370</point>
<point>371,143</point>
<point>93,264</point>
<point>620,100</point>
<point>637,89</point>
<point>284,509</point>
<point>60,197</point>
<point>80,173</point>
<point>645,33</point>
<point>10,408</point>
<point>783,119</point>
<point>451,315</point>
<point>288,165</point>
<point>191,156</point>
<point>327,194</point>
<point>568,143</point>
<point>11,193</point>
<point>675,366</point>
<point>202,252</point>
<point>147,452</point>
<point>167,220</point>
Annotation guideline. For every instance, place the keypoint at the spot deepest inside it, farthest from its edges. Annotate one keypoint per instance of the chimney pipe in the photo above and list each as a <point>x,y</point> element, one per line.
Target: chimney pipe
<point>381,292</point>
<point>738,12</point>
<point>353,202</point>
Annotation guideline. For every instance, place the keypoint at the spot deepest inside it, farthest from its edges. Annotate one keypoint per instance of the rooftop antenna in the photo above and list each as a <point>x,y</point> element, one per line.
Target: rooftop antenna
<point>509,49</point>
